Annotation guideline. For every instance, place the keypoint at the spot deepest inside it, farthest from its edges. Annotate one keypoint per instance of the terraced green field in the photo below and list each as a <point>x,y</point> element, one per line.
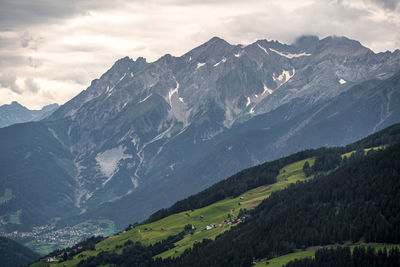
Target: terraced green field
<point>365,151</point>
<point>282,260</point>
<point>216,213</point>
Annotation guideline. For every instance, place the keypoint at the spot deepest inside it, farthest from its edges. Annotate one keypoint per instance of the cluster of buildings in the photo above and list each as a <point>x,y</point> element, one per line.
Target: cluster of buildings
<point>67,236</point>
<point>226,222</point>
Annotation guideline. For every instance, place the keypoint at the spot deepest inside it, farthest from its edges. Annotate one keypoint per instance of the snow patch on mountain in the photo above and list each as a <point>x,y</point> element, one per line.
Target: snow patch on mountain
<point>263,49</point>
<point>284,77</point>
<point>135,182</point>
<point>239,54</point>
<point>108,161</point>
<point>178,109</point>
<point>109,89</point>
<point>248,102</point>
<point>289,55</point>
<point>223,60</point>
<point>123,76</point>
<point>141,101</point>
<point>172,92</point>
<point>267,90</point>
<point>199,65</point>
<point>231,112</point>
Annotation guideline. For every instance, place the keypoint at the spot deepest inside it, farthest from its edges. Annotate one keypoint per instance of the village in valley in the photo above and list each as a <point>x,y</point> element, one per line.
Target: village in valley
<point>227,222</point>
<point>46,238</point>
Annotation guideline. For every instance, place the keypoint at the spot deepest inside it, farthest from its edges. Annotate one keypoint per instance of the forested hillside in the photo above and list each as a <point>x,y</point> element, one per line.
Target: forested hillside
<point>344,257</point>
<point>13,254</point>
<point>266,173</point>
<point>353,198</point>
<point>357,202</point>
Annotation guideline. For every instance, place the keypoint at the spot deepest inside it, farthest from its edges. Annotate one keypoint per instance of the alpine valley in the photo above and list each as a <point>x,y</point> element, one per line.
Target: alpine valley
<point>145,135</point>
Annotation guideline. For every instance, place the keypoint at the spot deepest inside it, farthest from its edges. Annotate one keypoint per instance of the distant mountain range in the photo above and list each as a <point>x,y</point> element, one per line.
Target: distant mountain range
<point>145,135</point>
<point>16,113</point>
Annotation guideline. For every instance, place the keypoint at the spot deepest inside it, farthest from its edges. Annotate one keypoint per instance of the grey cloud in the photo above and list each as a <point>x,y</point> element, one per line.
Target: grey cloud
<point>10,82</point>
<point>34,62</point>
<point>7,42</point>
<point>26,39</point>
<point>335,18</point>
<point>387,4</point>
<point>20,13</point>
<point>15,13</point>
<point>79,76</point>
<point>7,61</point>
<point>31,85</point>
<point>29,41</point>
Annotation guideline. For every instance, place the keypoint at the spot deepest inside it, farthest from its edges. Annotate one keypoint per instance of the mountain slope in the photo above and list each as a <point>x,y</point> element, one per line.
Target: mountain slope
<point>16,113</point>
<point>36,171</point>
<point>349,117</point>
<point>13,254</point>
<point>356,202</point>
<point>166,128</point>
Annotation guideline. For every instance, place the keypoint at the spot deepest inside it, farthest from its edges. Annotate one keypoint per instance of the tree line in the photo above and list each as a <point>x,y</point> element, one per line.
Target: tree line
<point>136,254</point>
<point>342,257</point>
<point>266,173</point>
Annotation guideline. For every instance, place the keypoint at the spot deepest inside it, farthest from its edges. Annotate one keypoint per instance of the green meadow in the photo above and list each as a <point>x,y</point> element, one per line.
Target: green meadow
<point>216,213</point>
<point>213,214</point>
<point>366,150</point>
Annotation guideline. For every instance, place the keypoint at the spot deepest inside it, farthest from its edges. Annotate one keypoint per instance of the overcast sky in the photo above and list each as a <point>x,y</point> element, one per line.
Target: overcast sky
<point>51,50</point>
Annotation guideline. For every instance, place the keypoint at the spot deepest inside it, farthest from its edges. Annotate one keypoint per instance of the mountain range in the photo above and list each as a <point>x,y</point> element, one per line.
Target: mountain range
<point>16,113</point>
<point>145,135</point>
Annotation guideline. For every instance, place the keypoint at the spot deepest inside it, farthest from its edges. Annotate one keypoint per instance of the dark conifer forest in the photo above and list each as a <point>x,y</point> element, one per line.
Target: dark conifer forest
<point>355,201</point>
<point>343,257</point>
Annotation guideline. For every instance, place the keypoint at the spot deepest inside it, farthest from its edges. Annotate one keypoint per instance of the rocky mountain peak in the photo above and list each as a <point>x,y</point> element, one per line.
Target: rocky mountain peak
<point>15,103</point>
<point>339,46</point>
<point>214,48</point>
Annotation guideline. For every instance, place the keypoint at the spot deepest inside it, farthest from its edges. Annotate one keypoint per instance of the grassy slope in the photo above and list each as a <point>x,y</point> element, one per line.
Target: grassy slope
<point>348,155</point>
<point>282,260</point>
<point>214,213</point>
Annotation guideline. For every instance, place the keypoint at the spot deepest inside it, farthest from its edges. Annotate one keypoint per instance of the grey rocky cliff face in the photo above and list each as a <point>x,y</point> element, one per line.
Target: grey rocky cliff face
<point>146,125</point>
<point>121,127</point>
